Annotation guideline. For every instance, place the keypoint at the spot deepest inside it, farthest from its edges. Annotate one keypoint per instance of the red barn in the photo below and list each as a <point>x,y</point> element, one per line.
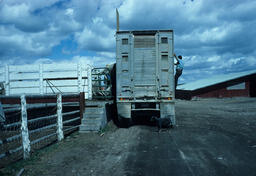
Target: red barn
<point>242,84</point>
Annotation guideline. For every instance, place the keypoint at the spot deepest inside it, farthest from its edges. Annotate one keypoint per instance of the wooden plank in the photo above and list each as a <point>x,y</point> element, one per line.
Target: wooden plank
<point>2,70</point>
<point>19,76</point>
<point>79,79</point>
<point>24,68</point>
<point>1,77</point>
<point>24,84</point>
<point>42,118</point>
<point>64,83</point>
<point>42,128</point>
<point>41,79</point>
<point>85,73</point>
<point>61,74</point>
<point>24,76</point>
<point>19,91</point>
<point>86,95</point>
<point>71,120</point>
<point>51,100</point>
<point>70,113</point>
<point>59,67</point>
<point>71,128</point>
<point>31,99</point>
<point>28,79</point>
<point>89,74</point>
<point>66,78</point>
<point>10,100</point>
<point>69,89</point>
<point>7,80</point>
<point>42,138</point>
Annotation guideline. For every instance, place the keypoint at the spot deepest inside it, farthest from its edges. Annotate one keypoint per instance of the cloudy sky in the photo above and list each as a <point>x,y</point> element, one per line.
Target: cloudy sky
<point>213,36</point>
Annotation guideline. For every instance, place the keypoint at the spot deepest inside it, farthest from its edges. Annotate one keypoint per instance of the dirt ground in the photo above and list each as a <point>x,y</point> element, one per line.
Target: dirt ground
<point>212,137</point>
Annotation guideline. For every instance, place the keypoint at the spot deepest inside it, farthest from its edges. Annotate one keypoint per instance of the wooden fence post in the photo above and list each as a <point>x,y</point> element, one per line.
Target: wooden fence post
<point>59,118</point>
<point>24,128</point>
<point>41,91</point>
<point>89,77</point>
<point>7,81</point>
<point>81,104</point>
<point>79,77</point>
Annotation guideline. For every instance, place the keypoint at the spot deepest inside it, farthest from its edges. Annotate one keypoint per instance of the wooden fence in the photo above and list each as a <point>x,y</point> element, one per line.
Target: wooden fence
<point>46,79</point>
<point>35,121</point>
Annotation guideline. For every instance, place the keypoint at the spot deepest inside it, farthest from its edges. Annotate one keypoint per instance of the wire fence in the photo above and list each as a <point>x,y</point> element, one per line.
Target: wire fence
<point>33,122</point>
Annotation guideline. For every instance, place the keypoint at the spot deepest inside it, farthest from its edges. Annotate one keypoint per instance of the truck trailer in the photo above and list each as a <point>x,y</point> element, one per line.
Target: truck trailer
<point>145,73</point>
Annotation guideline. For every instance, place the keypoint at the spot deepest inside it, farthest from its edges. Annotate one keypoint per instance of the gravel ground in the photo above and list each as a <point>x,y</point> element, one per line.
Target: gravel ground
<point>212,137</point>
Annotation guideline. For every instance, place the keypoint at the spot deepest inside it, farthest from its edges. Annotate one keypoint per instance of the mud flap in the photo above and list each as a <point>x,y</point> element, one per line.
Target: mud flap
<point>167,110</point>
<point>124,114</point>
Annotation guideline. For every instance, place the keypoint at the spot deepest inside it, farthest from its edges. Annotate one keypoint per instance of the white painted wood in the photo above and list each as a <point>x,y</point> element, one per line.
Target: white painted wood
<point>19,91</point>
<point>41,79</point>
<point>1,77</point>
<point>65,82</point>
<point>59,118</point>
<point>79,76</point>
<point>2,70</point>
<point>60,67</point>
<point>24,128</point>
<point>7,81</point>
<point>60,74</point>
<point>68,89</point>
<point>24,76</point>
<point>86,95</point>
<point>2,74</point>
<point>89,74</point>
<point>24,84</point>
<point>31,79</point>
<point>24,68</point>
<point>84,72</point>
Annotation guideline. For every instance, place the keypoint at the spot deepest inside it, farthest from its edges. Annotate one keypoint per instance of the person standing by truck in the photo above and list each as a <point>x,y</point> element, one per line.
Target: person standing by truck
<point>179,68</point>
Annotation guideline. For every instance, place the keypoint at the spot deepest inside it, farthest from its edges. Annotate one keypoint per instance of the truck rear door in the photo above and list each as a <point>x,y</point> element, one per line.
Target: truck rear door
<point>144,64</point>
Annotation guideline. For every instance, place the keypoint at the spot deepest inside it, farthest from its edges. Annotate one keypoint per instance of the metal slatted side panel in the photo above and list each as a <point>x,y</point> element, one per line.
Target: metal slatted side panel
<point>166,74</point>
<point>144,42</point>
<point>124,43</point>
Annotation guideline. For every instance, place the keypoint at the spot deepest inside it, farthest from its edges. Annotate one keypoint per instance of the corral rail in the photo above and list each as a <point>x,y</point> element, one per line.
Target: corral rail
<point>34,121</point>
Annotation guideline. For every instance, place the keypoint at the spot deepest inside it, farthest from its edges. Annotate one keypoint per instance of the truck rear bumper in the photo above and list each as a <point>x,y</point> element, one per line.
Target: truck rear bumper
<point>166,108</point>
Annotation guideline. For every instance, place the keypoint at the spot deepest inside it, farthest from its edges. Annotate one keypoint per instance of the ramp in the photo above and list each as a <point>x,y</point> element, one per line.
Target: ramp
<point>94,117</point>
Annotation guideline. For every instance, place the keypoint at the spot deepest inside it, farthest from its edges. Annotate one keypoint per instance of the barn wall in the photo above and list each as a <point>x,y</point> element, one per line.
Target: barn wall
<point>183,94</point>
<point>224,92</point>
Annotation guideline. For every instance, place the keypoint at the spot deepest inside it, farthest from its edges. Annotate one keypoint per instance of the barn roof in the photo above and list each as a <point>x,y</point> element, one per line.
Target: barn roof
<point>214,80</point>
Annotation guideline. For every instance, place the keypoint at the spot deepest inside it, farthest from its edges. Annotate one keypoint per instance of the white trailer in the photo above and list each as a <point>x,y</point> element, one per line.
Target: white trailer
<point>145,73</point>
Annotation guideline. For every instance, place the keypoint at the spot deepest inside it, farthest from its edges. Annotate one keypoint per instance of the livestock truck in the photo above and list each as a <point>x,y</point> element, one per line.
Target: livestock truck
<point>145,73</point>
